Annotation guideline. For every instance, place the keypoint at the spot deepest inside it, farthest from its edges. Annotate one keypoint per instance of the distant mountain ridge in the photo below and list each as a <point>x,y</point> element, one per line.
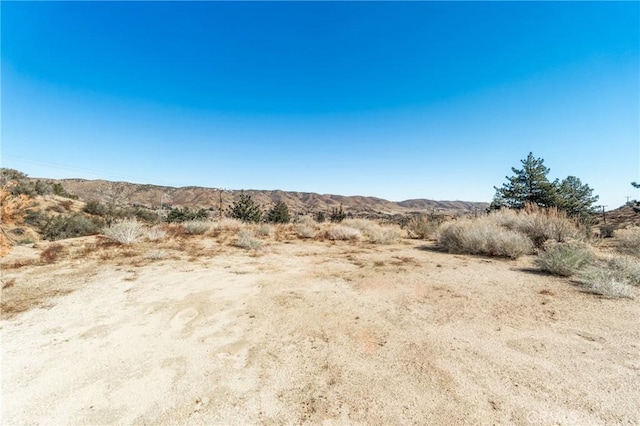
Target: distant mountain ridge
<point>195,197</point>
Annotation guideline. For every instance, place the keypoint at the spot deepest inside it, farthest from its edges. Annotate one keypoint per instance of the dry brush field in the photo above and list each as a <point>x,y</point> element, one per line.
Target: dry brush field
<point>306,324</point>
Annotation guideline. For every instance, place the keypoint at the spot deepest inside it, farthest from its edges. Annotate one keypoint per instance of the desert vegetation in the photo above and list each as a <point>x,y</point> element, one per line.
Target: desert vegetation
<point>428,302</point>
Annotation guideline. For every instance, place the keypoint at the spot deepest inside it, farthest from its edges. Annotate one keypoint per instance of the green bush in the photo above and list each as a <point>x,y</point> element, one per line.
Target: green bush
<point>182,215</point>
<point>95,208</point>
<point>70,226</point>
<point>607,231</point>
<point>564,259</point>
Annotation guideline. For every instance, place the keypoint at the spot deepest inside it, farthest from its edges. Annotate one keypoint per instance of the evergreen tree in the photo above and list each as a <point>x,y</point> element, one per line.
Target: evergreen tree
<point>279,213</point>
<point>574,197</point>
<point>337,215</point>
<point>528,185</point>
<point>245,209</point>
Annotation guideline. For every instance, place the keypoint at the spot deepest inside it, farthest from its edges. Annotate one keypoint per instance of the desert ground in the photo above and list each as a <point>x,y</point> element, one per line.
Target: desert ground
<point>195,331</point>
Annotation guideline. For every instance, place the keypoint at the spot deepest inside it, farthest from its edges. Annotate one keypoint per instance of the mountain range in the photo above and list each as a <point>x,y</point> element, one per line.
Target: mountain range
<point>194,197</point>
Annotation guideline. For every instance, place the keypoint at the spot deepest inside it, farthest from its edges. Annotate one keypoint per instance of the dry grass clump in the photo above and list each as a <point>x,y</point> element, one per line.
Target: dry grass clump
<point>539,224</point>
<point>564,259</point>
<point>303,230</point>
<point>196,227</point>
<point>125,231</point>
<point>483,236</point>
<point>627,268</point>
<point>384,235</point>
<point>247,241</point>
<point>264,230</point>
<point>229,224</point>
<point>373,232</point>
<point>155,234</point>
<point>156,255</point>
<point>343,232</point>
<point>306,220</point>
<point>607,281</point>
<point>421,227</point>
<point>628,241</point>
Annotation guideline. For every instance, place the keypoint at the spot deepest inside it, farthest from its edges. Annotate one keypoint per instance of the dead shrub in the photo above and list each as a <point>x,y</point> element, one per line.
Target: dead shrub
<point>124,231</point>
<point>539,224</point>
<point>247,241</point>
<point>303,230</point>
<point>483,236</point>
<point>264,230</point>
<point>343,232</point>
<point>606,282</point>
<point>421,227</point>
<point>628,241</point>
<point>196,227</point>
<point>156,234</point>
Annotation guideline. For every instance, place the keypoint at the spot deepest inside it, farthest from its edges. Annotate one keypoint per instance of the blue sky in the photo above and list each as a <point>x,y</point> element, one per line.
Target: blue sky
<point>395,100</point>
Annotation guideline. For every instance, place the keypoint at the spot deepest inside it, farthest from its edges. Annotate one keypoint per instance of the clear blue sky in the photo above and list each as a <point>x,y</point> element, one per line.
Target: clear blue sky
<point>395,100</point>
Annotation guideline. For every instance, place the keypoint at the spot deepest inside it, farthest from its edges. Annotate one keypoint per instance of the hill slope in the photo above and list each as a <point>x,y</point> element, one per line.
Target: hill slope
<point>153,196</point>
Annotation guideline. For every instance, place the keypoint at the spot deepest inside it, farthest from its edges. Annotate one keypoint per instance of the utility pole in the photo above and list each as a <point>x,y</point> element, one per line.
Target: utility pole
<point>220,206</point>
<point>628,196</point>
<point>604,216</point>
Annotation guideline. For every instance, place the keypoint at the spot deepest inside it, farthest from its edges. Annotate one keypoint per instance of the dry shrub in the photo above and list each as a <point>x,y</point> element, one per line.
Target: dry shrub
<point>247,241</point>
<point>564,259</point>
<point>384,235</point>
<point>627,268</point>
<point>229,224</point>
<point>483,236</point>
<point>175,231</point>
<point>343,232</point>
<point>303,230</point>
<point>13,209</point>
<point>373,232</point>
<point>421,227</point>
<point>539,224</point>
<point>306,220</point>
<point>607,282</point>
<point>155,234</point>
<point>51,253</point>
<point>124,231</point>
<point>264,230</point>
<point>628,241</point>
<point>156,255</point>
<point>196,227</point>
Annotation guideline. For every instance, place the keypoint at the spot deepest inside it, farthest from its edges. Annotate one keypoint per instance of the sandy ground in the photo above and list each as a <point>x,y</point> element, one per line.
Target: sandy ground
<point>312,332</point>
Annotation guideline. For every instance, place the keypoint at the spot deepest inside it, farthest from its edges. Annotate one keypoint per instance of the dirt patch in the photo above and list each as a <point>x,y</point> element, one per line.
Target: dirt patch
<point>310,332</point>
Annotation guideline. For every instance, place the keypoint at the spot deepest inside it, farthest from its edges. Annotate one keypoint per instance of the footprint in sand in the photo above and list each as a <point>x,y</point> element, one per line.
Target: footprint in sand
<point>183,318</point>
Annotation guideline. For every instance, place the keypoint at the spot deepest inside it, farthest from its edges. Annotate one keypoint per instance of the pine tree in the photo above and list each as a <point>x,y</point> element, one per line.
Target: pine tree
<point>575,198</point>
<point>245,209</point>
<point>528,185</point>
<point>279,213</point>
